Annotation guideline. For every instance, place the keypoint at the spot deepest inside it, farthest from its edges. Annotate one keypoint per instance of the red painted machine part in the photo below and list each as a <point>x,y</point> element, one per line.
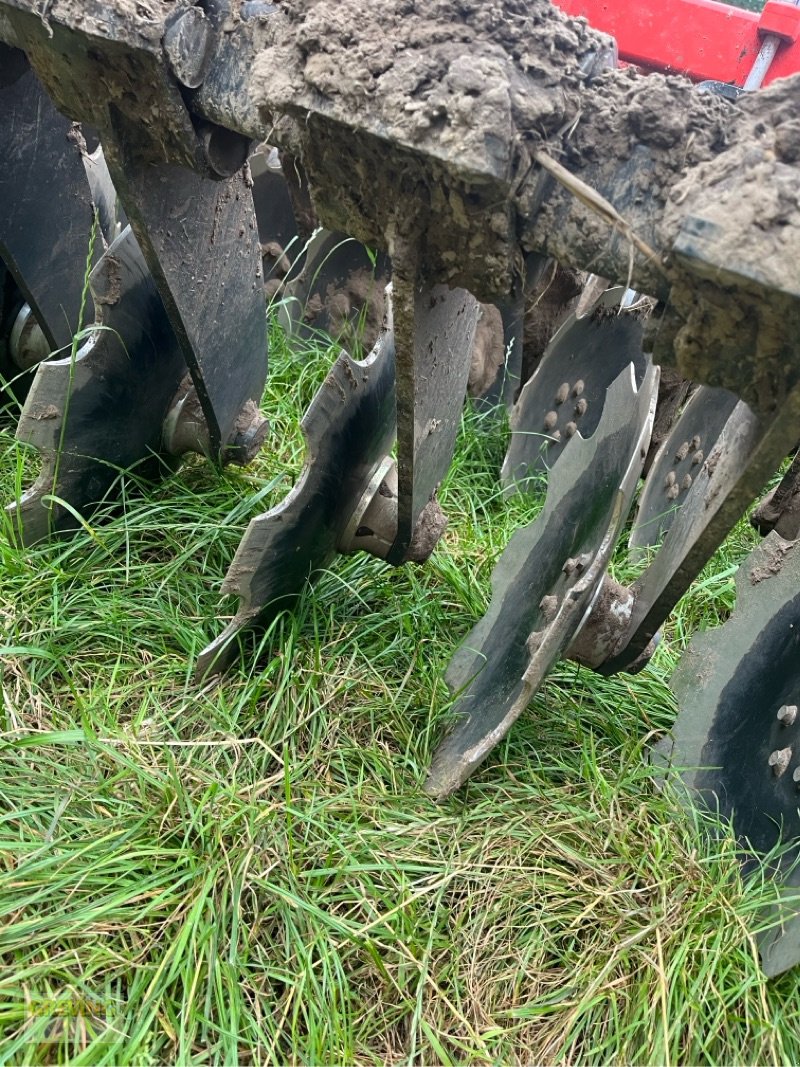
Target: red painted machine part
<point>701,38</point>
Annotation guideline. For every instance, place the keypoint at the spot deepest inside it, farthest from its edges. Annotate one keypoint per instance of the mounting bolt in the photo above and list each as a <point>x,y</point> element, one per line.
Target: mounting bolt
<point>796,776</point>
<point>570,429</point>
<point>569,565</point>
<point>672,492</point>
<point>687,482</point>
<point>550,420</point>
<point>697,458</point>
<point>670,479</point>
<point>787,714</point>
<point>563,393</point>
<point>682,452</point>
<point>695,442</point>
<point>578,387</point>
<point>779,761</point>
<point>581,406</point>
<point>189,43</point>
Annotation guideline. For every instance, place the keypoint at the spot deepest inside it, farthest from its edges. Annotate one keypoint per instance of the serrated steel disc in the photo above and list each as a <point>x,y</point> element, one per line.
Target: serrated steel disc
<point>545,581</point>
<point>736,741</point>
<point>349,429</point>
<point>566,393</point>
<point>678,463</point>
<point>46,208</point>
<point>102,412</point>
<point>340,291</point>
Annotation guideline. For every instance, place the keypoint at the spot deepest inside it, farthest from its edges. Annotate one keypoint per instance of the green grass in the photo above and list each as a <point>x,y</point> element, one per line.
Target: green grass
<point>248,872</point>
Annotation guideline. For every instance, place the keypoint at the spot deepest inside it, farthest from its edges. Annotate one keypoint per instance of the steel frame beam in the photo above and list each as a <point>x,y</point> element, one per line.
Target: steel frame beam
<point>703,39</point>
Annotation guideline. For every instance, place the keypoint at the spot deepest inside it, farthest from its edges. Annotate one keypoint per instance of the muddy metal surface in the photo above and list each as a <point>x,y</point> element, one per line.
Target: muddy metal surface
<point>441,125</point>
<point>439,82</point>
<point>429,120</point>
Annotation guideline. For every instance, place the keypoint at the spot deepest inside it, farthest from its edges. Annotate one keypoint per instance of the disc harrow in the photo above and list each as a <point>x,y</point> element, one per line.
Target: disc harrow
<point>451,194</point>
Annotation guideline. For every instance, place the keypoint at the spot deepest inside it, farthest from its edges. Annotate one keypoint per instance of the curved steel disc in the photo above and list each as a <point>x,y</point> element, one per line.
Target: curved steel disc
<point>110,214</point>
<point>45,206</point>
<point>349,428</point>
<point>566,393</point>
<point>736,748</point>
<point>14,384</point>
<point>434,332</point>
<point>546,579</point>
<point>677,464</point>
<point>200,241</point>
<point>104,412</point>
<point>282,251</point>
<point>780,509</point>
<point>340,291</point>
<point>745,454</point>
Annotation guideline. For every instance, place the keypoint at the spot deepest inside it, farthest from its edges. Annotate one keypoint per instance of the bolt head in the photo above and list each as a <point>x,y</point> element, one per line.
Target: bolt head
<point>779,760</point>
<point>787,714</point>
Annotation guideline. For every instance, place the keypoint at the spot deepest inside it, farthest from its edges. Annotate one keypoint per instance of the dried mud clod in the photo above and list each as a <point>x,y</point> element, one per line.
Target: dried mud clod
<point>770,562</point>
<point>352,312</point>
<point>546,306</point>
<point>410,89</point>
<point>488,351</point>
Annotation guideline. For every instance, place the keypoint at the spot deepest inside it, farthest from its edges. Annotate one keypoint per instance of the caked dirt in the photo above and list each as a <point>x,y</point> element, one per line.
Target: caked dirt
<point>455,76</point>
<point>409,117</point>
<point>423,125</point>
<point>488,351</point>
<point>352,311</point>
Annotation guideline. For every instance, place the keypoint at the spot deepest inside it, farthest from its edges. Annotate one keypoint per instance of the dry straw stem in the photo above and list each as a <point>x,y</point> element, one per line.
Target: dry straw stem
<point>596,203</point>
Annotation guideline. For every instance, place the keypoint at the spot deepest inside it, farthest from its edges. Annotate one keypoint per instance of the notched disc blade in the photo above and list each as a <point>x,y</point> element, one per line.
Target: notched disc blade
<point>104,412</point>
<point>110,214</point>
<point>736,741</point>
<point>349,428</point>
<point>340,292</point>
<point>678,463</point>
<point>45,206</point>
<point>545,581</point>
<point>566,393</point>
<point>281,248</point>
